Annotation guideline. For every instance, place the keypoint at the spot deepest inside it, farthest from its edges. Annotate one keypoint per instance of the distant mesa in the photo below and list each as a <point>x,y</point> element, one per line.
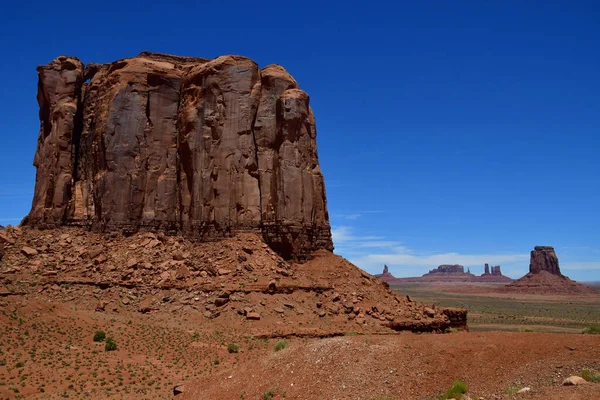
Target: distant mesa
<point>448,273</point>
<point>447,269</point>
<point>544,276</point>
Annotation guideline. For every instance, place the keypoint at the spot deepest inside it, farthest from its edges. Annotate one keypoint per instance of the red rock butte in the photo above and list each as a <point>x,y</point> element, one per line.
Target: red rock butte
<point>182,145</point>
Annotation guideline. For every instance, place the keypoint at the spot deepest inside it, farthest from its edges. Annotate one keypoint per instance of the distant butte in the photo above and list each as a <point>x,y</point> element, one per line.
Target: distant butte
<point>545,278</point>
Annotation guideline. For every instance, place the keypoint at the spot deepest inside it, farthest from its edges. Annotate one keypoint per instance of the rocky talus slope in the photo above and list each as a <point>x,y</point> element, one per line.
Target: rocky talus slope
<point>236,282</point>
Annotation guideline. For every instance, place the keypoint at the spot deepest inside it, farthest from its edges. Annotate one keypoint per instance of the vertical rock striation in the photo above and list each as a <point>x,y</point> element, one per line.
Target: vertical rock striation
<point>179,144</point>
<point>543,258</point>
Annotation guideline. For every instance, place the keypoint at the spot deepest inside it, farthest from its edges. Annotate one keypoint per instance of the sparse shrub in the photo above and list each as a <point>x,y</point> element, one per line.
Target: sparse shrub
<point>591,330</point>
<point>455,392</point>
<point>590,376</point>
<point>110,345</point>
<point>99,336</point>
<point>511,389</point>
<point>282,344</point>
<point>233,348</point>
<point>269,394</point>
<point>20,364</point>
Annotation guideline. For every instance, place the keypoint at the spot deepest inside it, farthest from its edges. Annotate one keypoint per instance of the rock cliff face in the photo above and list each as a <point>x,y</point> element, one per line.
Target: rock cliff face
<point>179,144</point>
<point>543,258</point>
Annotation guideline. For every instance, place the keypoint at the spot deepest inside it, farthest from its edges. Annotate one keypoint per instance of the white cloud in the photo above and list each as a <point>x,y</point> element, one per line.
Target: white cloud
<point>585,266</point>
<point>372,252</point>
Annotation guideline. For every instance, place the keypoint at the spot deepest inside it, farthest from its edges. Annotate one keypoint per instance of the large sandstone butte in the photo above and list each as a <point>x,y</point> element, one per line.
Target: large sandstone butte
<point>543,258</point>
<point>544,277</point>
<point>179,144</point>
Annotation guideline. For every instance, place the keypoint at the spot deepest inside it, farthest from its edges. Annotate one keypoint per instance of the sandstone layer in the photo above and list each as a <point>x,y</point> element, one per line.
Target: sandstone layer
<point>181,145</point>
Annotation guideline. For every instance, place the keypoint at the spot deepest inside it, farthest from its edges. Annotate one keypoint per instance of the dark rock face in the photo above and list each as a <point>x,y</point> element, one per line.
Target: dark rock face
<point>486,269</point>
<point>496,271</point>
<point>179,144</point>
<point>543,258</point>
<point>385,269</point>
<point>448,269</point>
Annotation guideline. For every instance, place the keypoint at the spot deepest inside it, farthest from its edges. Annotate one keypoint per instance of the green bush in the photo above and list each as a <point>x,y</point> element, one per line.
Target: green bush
<point>282,344</point>
<point>99,336</point>
<point>110,345</point>
<point>590,376</point>
<point>269,394</point>
<point>455,392</point>
<point>233,348</point>
<point>592,330</point>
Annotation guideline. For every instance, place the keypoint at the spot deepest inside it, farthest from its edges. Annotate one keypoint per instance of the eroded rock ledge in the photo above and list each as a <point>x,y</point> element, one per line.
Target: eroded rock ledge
<point>181,145</point>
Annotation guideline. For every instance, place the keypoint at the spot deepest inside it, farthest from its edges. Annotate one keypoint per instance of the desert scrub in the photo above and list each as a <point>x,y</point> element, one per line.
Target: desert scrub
<point>590,376</point>
<point>233,348</point>
<point>282,344</point>
<point>99,336</point>
<point>455,392</point>
<point>110,345</point>
<point>269,394</point>
<point>592,330</point>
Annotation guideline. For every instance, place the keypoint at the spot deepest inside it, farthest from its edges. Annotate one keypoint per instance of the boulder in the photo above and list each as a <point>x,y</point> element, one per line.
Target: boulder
<point>574,381</point>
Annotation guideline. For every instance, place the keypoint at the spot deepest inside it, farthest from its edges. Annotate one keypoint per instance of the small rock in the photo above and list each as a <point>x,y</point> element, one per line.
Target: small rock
<point>28,251</point>
<point>429,312</point>
<point>574,381</point>
<point>223,271</point>
<point>322,313</point>
<point>178,256</point>
<point>182,272</point>
<point>101,306</point>
<point>146,305</point>
<point>288,305</point>
<point>179,389</point>
<point>221,301</point>
<point>524,390</point>
<point>279,310</point>
<point>94,252</point>
<point>248,250</point>
<point>253,316</point>
<point>125,300</point>
<point>132,263</point>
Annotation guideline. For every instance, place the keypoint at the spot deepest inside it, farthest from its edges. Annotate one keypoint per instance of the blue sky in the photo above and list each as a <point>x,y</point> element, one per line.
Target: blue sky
<point>449,132</point>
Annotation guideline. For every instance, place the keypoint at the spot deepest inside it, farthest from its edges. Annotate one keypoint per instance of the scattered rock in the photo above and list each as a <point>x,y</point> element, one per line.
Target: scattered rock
<point>182,272</point>
<point>178,256</point>
<point>178,389</point>
<point>94,252</point>
<point>253,316</point>
<point>28,251</point>
<point>574,381</point>
<point>221,301</point>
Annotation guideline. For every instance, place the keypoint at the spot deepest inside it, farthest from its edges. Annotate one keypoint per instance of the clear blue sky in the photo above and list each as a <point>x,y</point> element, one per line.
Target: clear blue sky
<point>449,132</point>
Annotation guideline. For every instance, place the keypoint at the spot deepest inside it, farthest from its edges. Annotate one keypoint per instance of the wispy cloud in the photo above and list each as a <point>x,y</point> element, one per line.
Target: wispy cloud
<point>371,252</point>
<point>581,266</point>
<point>11,219</point>
<point>355,215</point>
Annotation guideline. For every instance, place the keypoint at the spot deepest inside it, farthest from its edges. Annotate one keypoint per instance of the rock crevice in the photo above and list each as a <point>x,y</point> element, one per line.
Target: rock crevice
<point>182,145</point>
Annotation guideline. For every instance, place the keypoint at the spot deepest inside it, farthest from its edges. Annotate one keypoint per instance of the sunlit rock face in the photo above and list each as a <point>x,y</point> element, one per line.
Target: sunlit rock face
<point>181,145</point>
